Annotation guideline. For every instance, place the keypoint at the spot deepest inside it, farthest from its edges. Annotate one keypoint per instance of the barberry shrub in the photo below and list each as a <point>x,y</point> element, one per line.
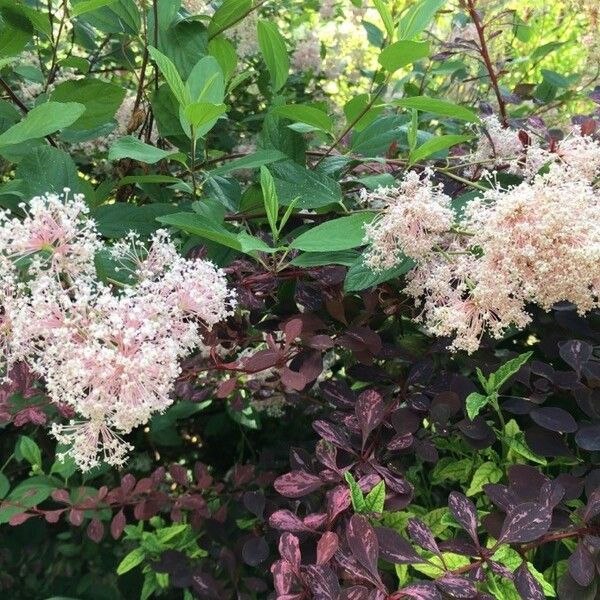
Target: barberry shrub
<point>299,299</point>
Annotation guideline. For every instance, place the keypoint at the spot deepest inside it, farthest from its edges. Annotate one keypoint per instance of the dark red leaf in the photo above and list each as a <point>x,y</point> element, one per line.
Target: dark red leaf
<point>76,517</point>
<point>525,523</point>
<point>363,543</point>
<point>286,520</point>
<point>457,587</point>
<point>289,549</point>
<point>95,530</point>
<point>422,536</point>
<point>581,565</point>
<point>424,590</point>
<point>332,433</point>
<point>322,582</point>
<point>465,513</point>
<point>527,585</point>
<point>327,547</point>
<point>369,412</point>
<point>554,419</point>
<point>395,549</point>
<point>179,474</point>
<point>255,551</point>
<point>117,525</point>
<point>296,484</point>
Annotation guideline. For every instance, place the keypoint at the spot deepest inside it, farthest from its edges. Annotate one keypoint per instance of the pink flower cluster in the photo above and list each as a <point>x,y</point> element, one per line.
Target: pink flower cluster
<point>112,357</point>
<point>534,243</point>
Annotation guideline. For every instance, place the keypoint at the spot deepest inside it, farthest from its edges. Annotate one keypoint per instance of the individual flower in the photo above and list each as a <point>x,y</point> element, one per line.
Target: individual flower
<point>415,217</point>
<point>580,153</point>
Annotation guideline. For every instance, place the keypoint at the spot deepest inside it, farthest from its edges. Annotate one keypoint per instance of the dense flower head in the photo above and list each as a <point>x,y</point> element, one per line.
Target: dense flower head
<point>112,357</point>
<point>416,215</point>
<point>534,243</point>
<point>307,55</point>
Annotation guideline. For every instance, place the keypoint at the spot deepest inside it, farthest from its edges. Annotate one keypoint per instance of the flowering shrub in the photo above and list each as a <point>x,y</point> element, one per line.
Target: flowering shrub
<point>299,300</point>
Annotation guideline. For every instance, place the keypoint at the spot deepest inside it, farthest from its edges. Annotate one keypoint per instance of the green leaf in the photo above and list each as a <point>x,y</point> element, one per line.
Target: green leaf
<point>417,18</point>
<point>475,402</point>
<point>318,259</point>
<point>100,98</point>
<point>507,370</point>
<point>224,52</point>
<point>117,220</point>
<point>4,485</point>
<point>375,499</point>
<point>27,494</point>
<point>259,158</point>
<point>438,107</point>
<point>452,470</point>
<point>132,147</point>
<point>272,46</point>
<point>356,495</point>
<point>403,53</point>
<point>29,450</point>
<point>171,75</point>
<point>514,438</point>
<point>386,17</point>
<point>229,13</point>
<point>361,277</point>
<point>201,113</point>
<point>200,226</point>
<point>270,199</point>
<point>488,472</point>
<point>337,234</point>
<point>118,17</point>
<point>132,560</point>
<point>436,144</point>
<point>313,188</point>
<point>83,6</point>
<point>15,31</point>
<point>42,121</point>
<point>357,113</point>
<point>305,114</point>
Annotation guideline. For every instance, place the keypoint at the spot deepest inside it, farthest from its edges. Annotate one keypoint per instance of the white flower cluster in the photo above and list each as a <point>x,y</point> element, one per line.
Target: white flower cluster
<point>112,357</point>
<point>534,243</point>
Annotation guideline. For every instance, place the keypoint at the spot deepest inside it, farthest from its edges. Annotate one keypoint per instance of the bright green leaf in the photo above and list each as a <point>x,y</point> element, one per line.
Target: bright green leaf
<point>272,46</point>
<point>438,107</point>
<point>436,144</point>
<point>403,53</point>
<point>475,402</point>
<point>305,114</point>
<point>338,234</point>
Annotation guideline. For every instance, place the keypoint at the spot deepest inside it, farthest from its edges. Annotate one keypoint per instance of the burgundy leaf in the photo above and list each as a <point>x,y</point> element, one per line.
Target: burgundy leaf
<point>179,474</point>
<point>283,576</point>
<point>395,549</point>
<point>255,551</point>
<point>457,587</point>
<point>421,535</point>
<point>20,518</point>
<point>592,508</point>
<point>424,590</point>
<point>581,565</point>
<point>117,525</point>
<point>575,353</point>
<point>327,547</point>
<point>255,503</point>
<point>286,520</point>
<point>554,419</point>
<point>296,484</point>
<point>525,522</point>
<point>322,582</point>
<point>356,592</point>
<point>289,548</point>
<point>337,436</point>
<point>338,500</point>
<point>501,496</point>
<point>500,569</point>
<point>363,543</point>
<point>465,513</point>
<point>369,412</point>
<point>527,585</point>
<point>588,437</point>
<point>95,530</point>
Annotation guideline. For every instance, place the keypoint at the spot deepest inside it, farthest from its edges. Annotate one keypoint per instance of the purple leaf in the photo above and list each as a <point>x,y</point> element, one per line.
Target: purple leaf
<point>395,549</point>
<point>421,591</point>
<point>581,565</point>
<point>363,543</point>
<point>592,508</point>
<point>255,503</point>
<point>289,548</point>
<point>588,437</point>
<point>286,520</point>
<point>457,587</point>
<point>554,419</point>
<point>575,353</point>
<point>255,551</point>
<point>525,522</point>
<point>501,496</point>
<point>369,412</point>
<point>326,547</point>
<point>465,513</point>
<point>500,569</point>
<point>338,500</point>
<point>356,592</point>
<point>336,435</point>
<point>296,484</point>
<point>527,585</point>
<point>95,530</point>
<point>323,582</point>
<point>421,535</point>
<point>283,576</point>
